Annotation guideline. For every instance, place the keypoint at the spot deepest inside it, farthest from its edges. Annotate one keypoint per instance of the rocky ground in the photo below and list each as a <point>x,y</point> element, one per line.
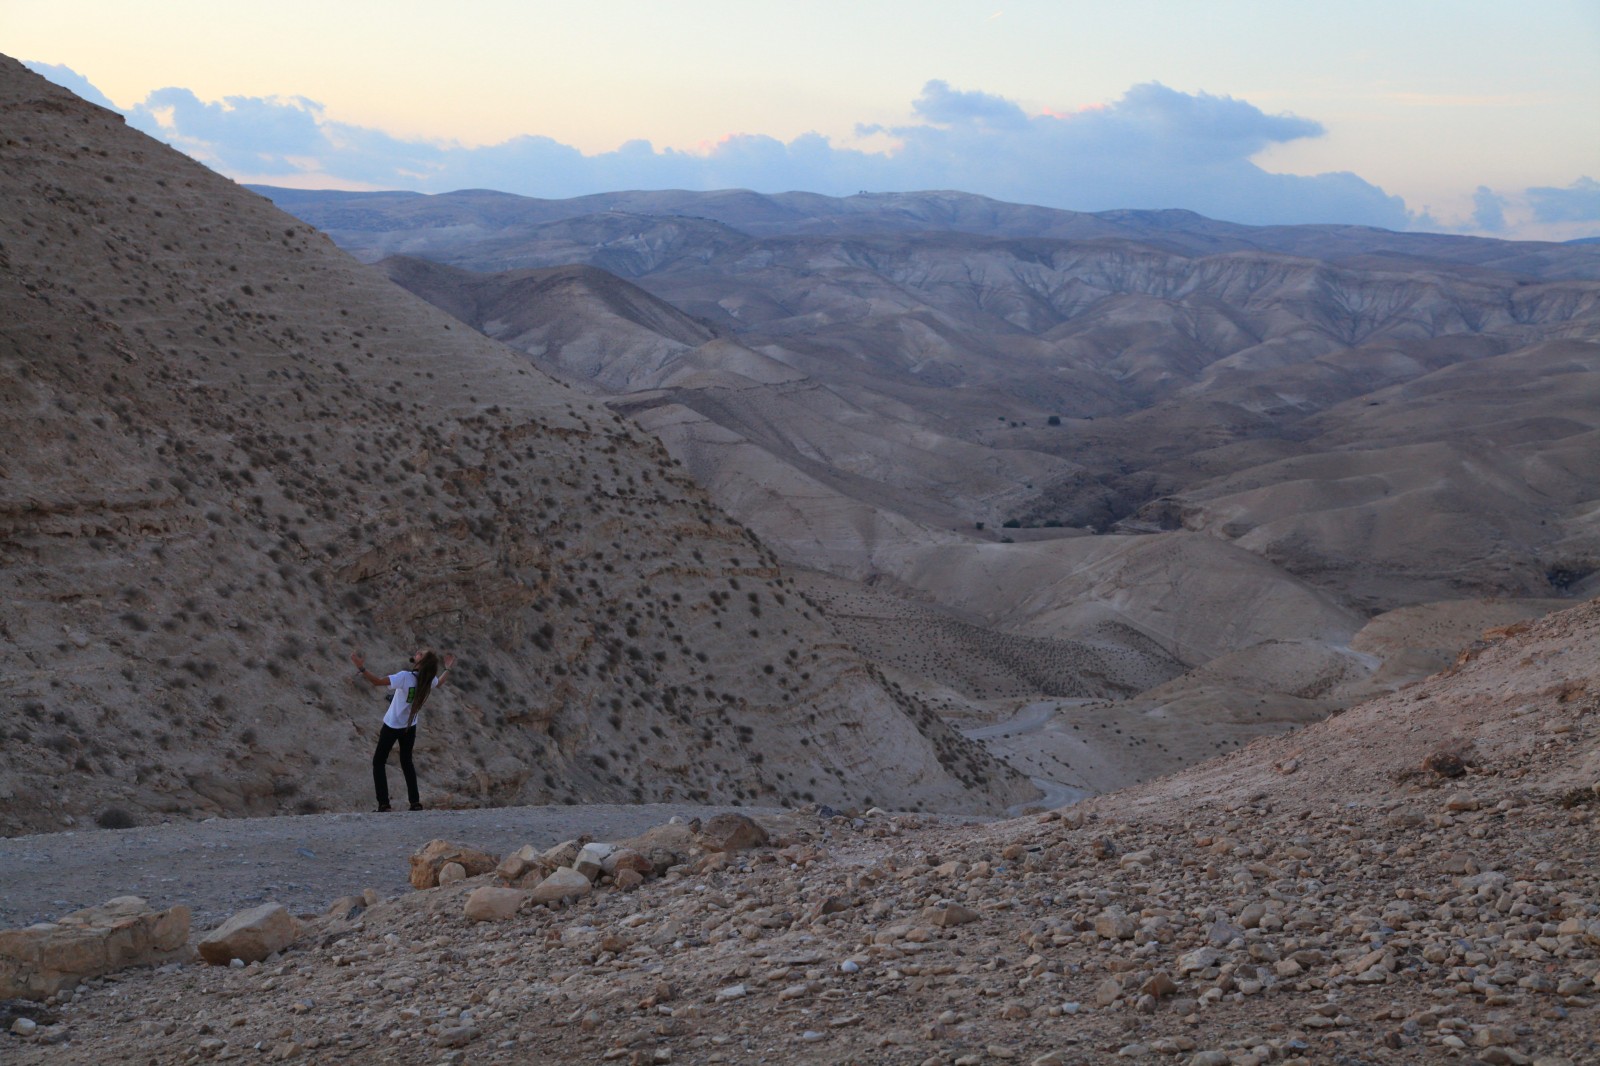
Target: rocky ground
<point>1458,924</point>
<point>1319,898</point>
<point>223,865</point>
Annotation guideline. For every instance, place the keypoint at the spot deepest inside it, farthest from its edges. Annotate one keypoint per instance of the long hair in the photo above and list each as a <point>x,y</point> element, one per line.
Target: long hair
<point>426,671</point>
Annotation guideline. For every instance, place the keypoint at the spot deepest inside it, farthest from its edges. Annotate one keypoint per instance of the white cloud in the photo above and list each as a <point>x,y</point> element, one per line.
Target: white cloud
<point>1578,202</point>
<point>1155,147</point>
<point>1489,210</point>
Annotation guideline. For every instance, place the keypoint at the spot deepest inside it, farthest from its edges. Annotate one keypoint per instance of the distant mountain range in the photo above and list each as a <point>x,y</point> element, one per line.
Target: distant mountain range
<point>1152,436</point>
<point>464,228</point>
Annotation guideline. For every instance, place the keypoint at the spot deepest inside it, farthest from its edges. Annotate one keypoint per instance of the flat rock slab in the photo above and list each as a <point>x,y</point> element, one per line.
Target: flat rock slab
<point>40,960</point>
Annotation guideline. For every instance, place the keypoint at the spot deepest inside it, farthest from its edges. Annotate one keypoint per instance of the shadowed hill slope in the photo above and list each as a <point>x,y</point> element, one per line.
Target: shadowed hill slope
<point>237,455</point>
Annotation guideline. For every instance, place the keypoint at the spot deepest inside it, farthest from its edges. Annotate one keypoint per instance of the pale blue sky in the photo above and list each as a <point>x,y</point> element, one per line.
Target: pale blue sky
<point>1482,117</point>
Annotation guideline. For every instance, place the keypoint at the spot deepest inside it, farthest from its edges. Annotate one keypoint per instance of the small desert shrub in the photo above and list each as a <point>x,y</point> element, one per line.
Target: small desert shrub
<point>114,818</point>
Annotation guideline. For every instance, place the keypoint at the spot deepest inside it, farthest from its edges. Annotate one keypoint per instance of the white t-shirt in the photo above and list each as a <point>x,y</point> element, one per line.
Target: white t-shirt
<point>398,716</point>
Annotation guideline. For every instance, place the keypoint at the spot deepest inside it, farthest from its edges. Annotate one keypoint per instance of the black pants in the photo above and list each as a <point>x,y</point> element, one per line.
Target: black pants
<point>380,758</point>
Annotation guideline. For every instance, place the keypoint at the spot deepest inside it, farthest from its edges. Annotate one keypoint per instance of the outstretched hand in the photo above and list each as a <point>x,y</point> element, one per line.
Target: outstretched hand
<point>449,659</point>
<point>359,660</point>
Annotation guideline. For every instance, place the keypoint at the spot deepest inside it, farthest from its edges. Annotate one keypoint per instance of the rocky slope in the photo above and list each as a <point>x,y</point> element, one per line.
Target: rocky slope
<point>1412,881</point>
<point>242,455</point>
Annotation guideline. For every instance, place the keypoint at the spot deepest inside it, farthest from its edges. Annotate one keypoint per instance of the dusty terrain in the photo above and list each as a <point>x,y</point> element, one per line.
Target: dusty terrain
<point>1309,899</point>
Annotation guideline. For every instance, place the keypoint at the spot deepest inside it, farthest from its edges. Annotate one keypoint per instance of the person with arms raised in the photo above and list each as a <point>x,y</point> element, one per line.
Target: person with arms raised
<point>411,689</point>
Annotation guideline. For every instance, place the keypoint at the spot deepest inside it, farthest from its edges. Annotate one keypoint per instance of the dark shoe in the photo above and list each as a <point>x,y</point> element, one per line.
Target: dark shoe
<point>416,806</point>
<point>384,807</point>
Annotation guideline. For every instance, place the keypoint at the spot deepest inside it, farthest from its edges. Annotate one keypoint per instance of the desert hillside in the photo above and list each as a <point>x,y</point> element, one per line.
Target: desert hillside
<point>237,455</point>
<point>1414,881</point>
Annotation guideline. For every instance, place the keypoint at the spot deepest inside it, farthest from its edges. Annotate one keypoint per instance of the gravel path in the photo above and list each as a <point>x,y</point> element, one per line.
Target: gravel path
<point>223,865</point>
<point>1029,719</point>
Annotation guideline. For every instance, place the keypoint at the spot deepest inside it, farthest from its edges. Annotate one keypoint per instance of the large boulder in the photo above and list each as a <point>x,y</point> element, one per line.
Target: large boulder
<point>666,846</point>
<point>250,935</point>
<point>563,854</point>
<point>626,859</point>
<point>591,860</point>
<point>519,864</point>
<point>41,960</point>
<point>491,903</point>
<point>565,883</point>
<point>731,832</point>
<point>427,861</point>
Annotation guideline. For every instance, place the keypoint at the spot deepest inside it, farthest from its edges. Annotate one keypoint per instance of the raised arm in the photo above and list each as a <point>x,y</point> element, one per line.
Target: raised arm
<point>449,661</point>
<point>375,680</point>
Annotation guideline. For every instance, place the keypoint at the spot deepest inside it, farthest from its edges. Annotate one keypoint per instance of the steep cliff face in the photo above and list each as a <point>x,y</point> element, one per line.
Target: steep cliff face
<point>235,455</point>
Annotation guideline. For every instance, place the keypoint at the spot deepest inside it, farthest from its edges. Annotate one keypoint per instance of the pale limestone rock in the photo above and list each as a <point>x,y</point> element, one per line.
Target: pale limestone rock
<point>250,935</point>
<point>491,903</point>
<point>451,872</point>
<point>563,854</point>
<point>564,883</point>
<point>1115,924</point>
<point>590,860</point>
<point>516,865</point>
<point>946,915</point>
<point>40,960</point>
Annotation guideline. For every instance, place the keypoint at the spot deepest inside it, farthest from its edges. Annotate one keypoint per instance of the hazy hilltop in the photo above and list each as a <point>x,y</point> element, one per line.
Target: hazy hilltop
<point>440,226</point>
<point>237,454</point>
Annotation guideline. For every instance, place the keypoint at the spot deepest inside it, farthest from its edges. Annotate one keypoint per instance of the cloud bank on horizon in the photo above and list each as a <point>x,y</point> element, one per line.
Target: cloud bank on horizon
<point>1155,147</point>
